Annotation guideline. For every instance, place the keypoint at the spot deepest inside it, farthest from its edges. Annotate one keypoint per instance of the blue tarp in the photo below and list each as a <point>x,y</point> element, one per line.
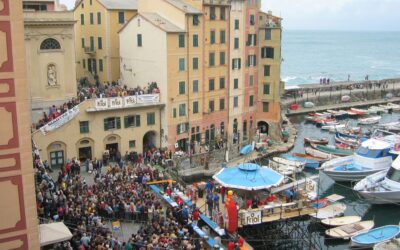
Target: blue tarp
<point>246,149</point>
<point>248,176</point>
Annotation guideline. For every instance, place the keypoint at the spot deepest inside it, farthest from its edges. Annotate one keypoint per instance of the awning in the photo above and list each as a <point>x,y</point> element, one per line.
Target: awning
<point>291,87</point>
<point>53,233</point>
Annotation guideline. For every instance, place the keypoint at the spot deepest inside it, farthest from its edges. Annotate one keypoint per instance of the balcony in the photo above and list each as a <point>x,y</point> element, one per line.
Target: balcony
<point>90,50</point>
<point>217,2</point>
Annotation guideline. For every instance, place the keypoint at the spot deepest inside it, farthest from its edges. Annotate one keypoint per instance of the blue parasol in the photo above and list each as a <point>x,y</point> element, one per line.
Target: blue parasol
<point>246,149</point>
<point>248,176</point>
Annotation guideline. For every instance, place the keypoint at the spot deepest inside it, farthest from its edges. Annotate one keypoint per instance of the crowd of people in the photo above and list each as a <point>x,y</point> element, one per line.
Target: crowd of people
<point>91,92</point>
<point>115,90</point>
<point>55,112</point>
<point>117,193</point>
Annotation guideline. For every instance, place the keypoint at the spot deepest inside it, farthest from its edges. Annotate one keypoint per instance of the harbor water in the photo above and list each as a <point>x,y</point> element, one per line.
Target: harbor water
<point>381,214</point>
<point>311,55</point>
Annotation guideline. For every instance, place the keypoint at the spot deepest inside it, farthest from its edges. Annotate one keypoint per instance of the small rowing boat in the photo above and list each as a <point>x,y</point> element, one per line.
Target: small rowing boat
<point>369,120</point>
<point>347,231</point>
<point>309,157</point>
<point>330,211</point>
<point>375,236</point>
<point>340,221</point>
<point>322,141</point>
<point>332,150</point>
<point>319,154</point>
<point>308,162</point>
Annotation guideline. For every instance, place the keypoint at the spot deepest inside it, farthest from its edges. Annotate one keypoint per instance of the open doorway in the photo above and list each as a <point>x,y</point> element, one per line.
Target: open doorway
<point>113,149</point>
<point>85,153</point>
<point>263,127</point>
<point>149,141</point>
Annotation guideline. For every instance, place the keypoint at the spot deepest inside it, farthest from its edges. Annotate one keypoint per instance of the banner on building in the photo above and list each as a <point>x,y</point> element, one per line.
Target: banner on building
<point>101,103</point>
<point>127,101</point>
<point>61,120</point>
<point>115,102</point>
<point>252,218</point>
<point>130,101</point>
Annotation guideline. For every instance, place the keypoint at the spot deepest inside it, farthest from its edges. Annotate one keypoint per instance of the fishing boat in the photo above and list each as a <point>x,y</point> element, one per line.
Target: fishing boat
<point>377,109</point>
<point>371,157</point>
<point>299,166</point>
<point>284,170</point>
<point>347,231</point>
<point>334,210</point>
<point>319,154</point>
<point>393,244</point>
<point>332,150</point>
<point>341,114</point>
<point>369,120</point>
<point>352,142</point>
<point>322,141</point>
<point>325,121</point>
<point>309,163</point>
<point>395,107</point>
<point>382,187</point>
<point>340,221</point>
<point>375,236</point>
<point>351,113</point>
<point>344,146</point>
<point>310,157</point>
<point>333,127</point>
<point>360,111</point>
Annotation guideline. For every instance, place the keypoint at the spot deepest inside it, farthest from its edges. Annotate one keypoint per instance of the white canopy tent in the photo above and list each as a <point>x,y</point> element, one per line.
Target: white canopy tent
<point>53,233</point>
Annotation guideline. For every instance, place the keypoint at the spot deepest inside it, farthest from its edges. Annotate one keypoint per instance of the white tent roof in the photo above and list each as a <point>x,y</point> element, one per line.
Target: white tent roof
<point>53,233</point>
<point>291,87</point>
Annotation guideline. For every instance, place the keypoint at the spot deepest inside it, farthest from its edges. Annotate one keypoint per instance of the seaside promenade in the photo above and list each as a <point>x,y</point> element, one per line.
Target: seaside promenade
<point>360,93</point>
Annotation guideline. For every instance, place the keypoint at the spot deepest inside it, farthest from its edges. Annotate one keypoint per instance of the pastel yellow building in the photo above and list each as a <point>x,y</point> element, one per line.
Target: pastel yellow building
<point>50,58</point>
<point>96,40</point>
<point>206,58</point>
<point>269,92</point>
<point>119,124</point>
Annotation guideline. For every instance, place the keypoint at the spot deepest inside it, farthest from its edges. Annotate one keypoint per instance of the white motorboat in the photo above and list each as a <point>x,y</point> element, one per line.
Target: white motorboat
<point>340,221</point>
<point>347,231</point>
<point>333,127</point>
<point>393,106</point>
<point>373,156</point>
<point>377,109</point>
<point>369,120</point>
<point>382,187</point>
<point>334,210</point>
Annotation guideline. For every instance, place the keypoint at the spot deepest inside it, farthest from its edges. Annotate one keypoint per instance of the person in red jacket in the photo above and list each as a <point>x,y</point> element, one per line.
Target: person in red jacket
<point>195,216</point>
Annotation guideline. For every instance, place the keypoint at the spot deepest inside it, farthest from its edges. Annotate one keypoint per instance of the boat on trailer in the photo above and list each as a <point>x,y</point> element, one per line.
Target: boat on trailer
<point>347,231</point>
<point>375,236</point>
<point>373,156</point>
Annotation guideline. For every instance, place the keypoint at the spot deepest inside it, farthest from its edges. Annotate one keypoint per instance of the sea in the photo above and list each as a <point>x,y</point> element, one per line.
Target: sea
<point>308,56</point>
<point>307,235</point>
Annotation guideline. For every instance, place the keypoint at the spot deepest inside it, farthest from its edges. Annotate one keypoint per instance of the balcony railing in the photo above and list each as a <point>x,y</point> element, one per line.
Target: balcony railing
<point>124,102</point>
<point>217,2</point>
<point>90,50</point>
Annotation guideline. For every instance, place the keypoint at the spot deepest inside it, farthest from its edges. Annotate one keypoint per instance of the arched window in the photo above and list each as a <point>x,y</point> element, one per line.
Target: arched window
<point>50,44</point>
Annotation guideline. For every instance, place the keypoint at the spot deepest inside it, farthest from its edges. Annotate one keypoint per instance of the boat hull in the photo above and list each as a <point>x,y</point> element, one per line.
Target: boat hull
<point>348,176</point>
<point>347,231</point>
<point>375,236</point>
<point>381,197</point>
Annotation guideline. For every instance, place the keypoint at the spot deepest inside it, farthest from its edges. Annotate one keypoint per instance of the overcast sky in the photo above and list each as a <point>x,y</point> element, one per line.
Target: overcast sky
<point>331,14</point>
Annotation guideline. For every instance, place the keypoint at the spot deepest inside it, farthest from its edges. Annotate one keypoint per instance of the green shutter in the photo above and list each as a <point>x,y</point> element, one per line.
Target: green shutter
<point>177,129</point>
<point>105,125</point>
<point>187,127</point>
<point>118,121</point>
<point>126,122</point>
<point>137,120</point>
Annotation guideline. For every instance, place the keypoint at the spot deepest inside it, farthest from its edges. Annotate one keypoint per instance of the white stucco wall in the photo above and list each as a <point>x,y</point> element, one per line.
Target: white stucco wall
<point>142,65</point>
